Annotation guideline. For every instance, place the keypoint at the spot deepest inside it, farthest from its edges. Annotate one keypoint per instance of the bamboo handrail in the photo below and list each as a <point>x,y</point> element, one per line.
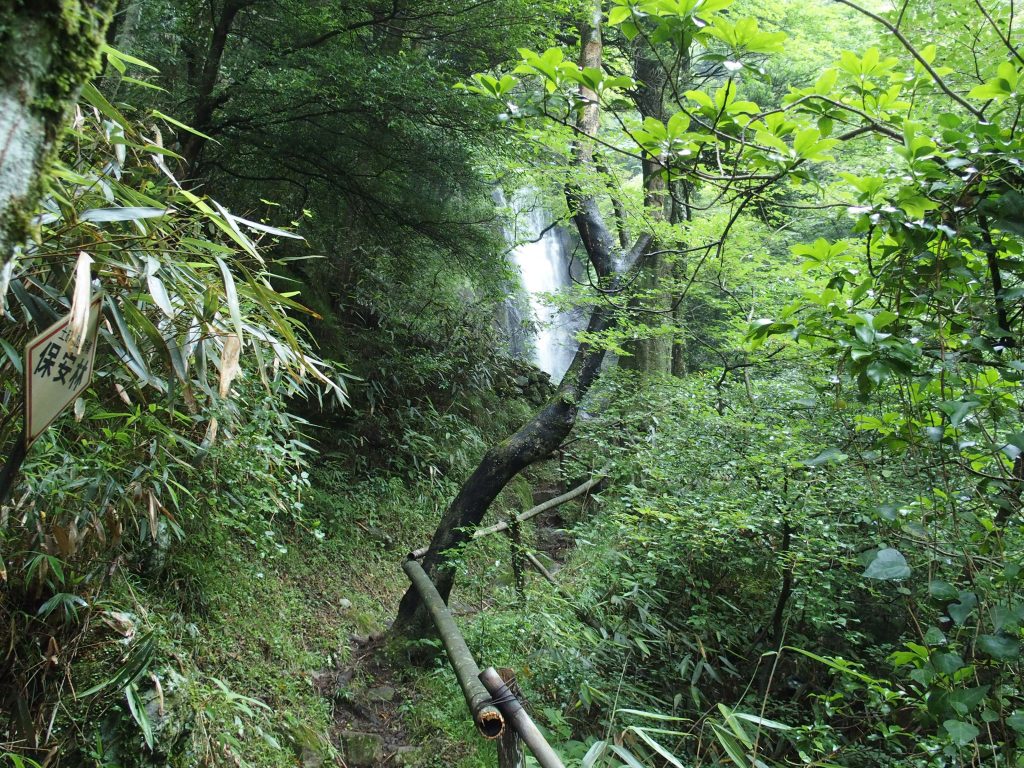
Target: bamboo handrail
<point>517,718</point>
<point>489,720</point>
<point>558,501</point>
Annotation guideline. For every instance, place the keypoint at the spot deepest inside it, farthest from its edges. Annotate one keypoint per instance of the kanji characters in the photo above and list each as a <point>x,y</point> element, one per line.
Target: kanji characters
<point>80,369</point>
<point>46,360</point>
<point>60,366</point>
<point>64,368</point>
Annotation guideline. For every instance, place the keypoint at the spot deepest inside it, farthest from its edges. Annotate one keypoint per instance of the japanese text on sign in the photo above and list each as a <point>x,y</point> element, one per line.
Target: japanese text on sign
<point>56,372</point>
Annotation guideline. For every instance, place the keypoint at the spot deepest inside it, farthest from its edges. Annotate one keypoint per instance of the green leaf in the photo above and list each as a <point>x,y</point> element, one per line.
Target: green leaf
<point>1001,646</point>
<point>98,100</point>
<point>657,747</point>
<point>960,610</point>
<point>958,410</point>
<point>763,722</point>
<point>888,565</point>
<point>619,14</point>
<point>942,590</point>
<point>157,289</point>
<point>596,751</point>
<point>231,294</point>
<point>962,733</point>
<point>1016,720</point>
<point>113,53</point>
<point>732,747</point>
<point>828,456</point>
<point>179,124</point>
<point>121,214</point>
<point>626,756</point>
<point>138,710</point>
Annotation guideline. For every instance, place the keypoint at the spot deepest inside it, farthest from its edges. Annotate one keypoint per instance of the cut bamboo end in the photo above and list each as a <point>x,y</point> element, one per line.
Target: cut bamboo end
<point>490,723</point>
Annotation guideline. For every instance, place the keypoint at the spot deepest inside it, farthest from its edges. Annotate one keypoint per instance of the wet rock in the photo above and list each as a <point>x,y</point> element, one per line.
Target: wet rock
<point>362,750</point>
<point>382,694</point>
<point>411,757</point>
<point>310,758</point>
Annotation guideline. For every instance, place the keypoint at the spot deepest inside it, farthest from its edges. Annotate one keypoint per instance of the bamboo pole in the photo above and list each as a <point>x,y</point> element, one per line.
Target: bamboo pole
<point>489,721</point>
<point>519,720</point>
<point>510,747</point>
<point>558,501</point>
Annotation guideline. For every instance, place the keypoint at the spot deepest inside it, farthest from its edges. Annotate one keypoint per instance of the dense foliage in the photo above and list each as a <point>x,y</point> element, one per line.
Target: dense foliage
<point>808,548</point>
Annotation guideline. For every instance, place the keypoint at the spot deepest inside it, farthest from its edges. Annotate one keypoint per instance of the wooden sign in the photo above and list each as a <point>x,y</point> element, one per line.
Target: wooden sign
<point>56,372</point>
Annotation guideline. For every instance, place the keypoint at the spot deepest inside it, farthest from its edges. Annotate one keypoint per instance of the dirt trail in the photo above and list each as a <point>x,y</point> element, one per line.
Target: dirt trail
<point>369,728</point>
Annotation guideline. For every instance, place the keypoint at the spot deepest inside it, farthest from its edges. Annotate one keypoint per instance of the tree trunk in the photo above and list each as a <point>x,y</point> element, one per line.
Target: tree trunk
<point>546,431</point>
<point>206,103</point>
<point>652,354</point>
<point>50,49</point>
<point>535,440</point>
<point>680,211</point>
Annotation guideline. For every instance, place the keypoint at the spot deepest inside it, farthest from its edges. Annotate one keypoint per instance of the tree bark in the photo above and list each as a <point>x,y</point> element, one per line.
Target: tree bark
<point>533,441</point>
<point>651,354</point>
<point>680,211</point>
<point>206,102</point>
<point>50,49</point>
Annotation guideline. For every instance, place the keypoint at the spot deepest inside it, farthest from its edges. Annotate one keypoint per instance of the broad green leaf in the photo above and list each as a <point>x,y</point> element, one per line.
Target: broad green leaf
<point>960,732</point>
<point>942,590</point>
<point>958,410</point>
<point>1016,721</point>
<point>618,14</point>
<point>960,610</point>
<point>1000,646</point>
<point>888,565</point>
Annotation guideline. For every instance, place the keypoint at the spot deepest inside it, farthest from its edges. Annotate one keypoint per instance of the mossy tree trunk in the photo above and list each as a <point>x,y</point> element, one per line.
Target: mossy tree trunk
<point>48,50</point>
<point>546,431</point>
<point>681,211</point>
<point>653,353</point>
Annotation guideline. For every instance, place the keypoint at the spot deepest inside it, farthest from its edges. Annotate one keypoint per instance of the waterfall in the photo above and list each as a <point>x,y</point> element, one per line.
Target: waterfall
<point>541,253</point>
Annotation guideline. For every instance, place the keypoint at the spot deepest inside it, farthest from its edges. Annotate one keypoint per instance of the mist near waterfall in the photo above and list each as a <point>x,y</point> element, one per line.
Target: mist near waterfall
<point>542,255</point>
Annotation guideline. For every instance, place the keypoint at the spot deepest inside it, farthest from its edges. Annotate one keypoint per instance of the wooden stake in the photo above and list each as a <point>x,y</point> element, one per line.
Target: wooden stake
<point>516,546</point>
<point>518,720</point>
<point>510,748</point>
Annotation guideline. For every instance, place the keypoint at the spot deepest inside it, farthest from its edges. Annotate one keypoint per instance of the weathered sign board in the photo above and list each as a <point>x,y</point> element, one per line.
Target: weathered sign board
<point>57,372</point>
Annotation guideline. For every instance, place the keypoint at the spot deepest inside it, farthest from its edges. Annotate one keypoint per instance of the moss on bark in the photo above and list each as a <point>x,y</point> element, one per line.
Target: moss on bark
<point>50,50</point>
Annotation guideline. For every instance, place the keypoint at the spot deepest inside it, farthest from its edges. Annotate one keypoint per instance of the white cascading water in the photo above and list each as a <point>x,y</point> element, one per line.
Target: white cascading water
<point>543,262</point>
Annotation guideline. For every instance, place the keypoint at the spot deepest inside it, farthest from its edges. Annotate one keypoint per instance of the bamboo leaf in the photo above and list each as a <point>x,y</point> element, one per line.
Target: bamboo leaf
<point>668,756</point>
<point>183,126</point>
<point>231,294</point>
<point>121,214</point>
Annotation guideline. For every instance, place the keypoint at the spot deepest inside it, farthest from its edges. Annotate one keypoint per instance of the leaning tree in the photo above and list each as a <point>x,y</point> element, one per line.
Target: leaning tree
<point>709,138</point>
